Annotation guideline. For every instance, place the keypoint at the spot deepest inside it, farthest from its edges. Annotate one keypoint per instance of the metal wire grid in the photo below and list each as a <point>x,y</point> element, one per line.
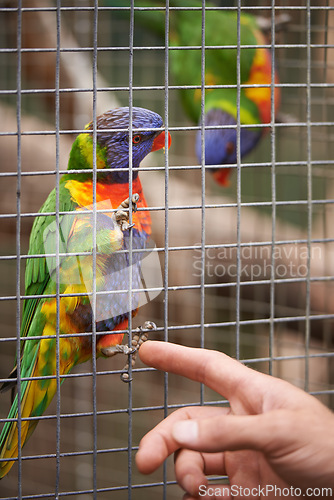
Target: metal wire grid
<point>137,402</point>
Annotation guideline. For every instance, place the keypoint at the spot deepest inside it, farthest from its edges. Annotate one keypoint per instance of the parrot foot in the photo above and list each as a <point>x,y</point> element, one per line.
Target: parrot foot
<point>122,214</point>
<point>117,349</point>
<point>140,336</point>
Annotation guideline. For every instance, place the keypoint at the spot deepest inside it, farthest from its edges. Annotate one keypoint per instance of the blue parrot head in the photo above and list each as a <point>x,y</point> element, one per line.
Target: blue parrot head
<point>113,147</point>
<point>145,138</point>
<point>221,142</point>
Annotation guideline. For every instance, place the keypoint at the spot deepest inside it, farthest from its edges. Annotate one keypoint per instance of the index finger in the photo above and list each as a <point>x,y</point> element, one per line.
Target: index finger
<point>214,369</point>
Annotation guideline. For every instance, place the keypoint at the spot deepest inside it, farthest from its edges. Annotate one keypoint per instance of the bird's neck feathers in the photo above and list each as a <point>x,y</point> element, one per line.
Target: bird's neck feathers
<point>81,155</point>
<point>81,158</point>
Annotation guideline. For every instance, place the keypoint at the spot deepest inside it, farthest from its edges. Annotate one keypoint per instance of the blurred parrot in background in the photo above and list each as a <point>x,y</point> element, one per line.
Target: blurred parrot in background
<point>220,69</point>
<point>39,349</point>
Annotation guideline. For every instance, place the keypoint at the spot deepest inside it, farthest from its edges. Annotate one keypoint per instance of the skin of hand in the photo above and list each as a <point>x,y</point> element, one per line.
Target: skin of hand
<point>272,434</point>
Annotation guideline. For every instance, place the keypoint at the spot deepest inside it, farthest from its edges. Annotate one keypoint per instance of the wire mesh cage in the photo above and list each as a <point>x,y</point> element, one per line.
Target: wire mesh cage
<point>246,269</point>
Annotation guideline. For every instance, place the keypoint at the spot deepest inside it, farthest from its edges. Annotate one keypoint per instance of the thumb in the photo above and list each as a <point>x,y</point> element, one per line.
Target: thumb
<point>230,432</point>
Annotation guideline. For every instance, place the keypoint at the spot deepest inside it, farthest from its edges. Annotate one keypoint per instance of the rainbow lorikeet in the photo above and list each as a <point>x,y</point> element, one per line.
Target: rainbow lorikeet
<point>74,272</point>
<point>185,27</point>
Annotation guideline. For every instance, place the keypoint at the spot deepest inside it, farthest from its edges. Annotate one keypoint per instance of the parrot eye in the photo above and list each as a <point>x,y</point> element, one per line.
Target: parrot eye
<point>136,139</point>
<point>230,148</point>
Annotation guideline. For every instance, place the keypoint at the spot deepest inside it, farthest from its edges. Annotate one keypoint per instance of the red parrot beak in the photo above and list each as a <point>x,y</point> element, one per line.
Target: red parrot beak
<point>222,176</point>
<point>159,141</point>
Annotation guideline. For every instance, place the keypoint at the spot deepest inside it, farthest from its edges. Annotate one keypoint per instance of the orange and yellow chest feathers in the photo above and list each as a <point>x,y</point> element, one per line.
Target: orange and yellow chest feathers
<point>82,195</point>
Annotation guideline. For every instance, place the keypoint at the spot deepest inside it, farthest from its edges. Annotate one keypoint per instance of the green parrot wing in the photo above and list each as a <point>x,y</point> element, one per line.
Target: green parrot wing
<point>37,274</point>
<point>38,282</point>
<point>42,240</point>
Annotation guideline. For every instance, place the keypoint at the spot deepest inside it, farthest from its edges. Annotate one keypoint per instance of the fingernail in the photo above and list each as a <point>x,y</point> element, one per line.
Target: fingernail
<point>185,432</point>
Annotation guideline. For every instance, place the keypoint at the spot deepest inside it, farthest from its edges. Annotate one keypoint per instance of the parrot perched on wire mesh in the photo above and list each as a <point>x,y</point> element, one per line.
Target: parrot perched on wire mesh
<point>185,30</point>
<point>74,235</point>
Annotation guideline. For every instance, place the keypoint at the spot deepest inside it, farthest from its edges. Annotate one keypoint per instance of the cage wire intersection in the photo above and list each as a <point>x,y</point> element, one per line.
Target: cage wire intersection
<point>247,270</point>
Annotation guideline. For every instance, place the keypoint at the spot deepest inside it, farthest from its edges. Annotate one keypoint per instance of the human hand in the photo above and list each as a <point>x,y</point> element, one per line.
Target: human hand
<point>273,433</point>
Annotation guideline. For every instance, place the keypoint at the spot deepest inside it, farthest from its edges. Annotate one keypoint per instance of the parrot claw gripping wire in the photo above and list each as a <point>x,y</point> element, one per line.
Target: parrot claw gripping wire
<point>140,336</point>
<point>122,214</point>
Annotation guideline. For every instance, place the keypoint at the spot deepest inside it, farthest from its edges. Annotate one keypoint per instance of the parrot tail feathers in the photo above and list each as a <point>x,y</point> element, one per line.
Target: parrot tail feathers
<point>9,440</point>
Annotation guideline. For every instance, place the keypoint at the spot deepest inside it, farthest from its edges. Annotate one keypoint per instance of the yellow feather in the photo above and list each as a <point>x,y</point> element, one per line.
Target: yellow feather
<point>86,149</point>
